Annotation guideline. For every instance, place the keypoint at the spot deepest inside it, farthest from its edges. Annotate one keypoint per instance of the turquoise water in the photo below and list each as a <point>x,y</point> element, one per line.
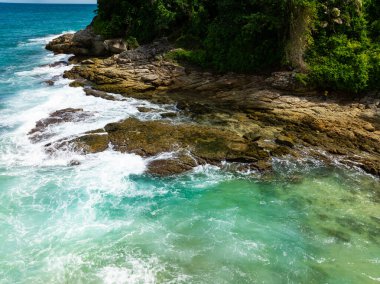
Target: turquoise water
<point>105,221</point>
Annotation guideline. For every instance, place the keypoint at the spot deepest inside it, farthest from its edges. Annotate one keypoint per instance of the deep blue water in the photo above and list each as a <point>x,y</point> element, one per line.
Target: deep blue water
<point>105,221</point>
<point>21,25</point>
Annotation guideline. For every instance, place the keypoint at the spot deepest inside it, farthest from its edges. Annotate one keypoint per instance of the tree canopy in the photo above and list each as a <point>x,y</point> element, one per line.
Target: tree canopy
<point>334,42</point>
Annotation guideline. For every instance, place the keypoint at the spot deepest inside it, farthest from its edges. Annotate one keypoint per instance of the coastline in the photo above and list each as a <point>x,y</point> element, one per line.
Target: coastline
<point>244,119</point>
<point>205,177</point>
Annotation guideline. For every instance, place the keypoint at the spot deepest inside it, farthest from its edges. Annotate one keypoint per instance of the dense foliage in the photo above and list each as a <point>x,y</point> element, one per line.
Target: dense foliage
<point>334,41</point>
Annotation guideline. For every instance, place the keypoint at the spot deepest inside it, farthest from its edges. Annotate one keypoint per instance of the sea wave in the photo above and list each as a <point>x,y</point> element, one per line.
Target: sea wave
<point>42,40</point>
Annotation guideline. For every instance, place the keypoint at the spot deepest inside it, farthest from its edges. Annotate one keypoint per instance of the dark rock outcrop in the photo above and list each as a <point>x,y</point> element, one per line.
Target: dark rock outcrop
<point>86,43</point>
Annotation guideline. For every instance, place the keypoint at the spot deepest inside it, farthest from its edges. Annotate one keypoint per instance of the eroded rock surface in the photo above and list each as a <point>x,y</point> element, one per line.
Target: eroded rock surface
<point>264,117</point>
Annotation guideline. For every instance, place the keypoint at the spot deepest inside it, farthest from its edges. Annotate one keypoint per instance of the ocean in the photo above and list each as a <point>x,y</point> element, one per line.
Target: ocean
<point>106,221</point>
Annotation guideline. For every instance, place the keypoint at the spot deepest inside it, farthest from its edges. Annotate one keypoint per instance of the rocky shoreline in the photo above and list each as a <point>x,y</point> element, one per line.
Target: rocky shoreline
<point>236,118</point>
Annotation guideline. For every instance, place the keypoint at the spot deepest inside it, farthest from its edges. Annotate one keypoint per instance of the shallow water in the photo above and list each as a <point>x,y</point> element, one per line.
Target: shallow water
<point>105,221</point>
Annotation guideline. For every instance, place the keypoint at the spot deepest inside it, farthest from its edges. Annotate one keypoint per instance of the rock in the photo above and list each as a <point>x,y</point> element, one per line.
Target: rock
<point>115,46</point>
<point>88,62</point>
<point>49,82</point>
<point>252,136</point>
<point>369,127</point>
<point>60,116</point>
<point>149,78</point>
<point>145,109</point>
<point>169,115</point>
<point>58,64</point>
<point>150,138</point>
<point>99,94</point>
<point>280,151</point>
<point>91,143</point>
<point>85,37</point>
<point>79,83</point>
<point>82,43</point>
<point>52,81</point>
<point>74,163</point>
<point>145,52</point>
<point>286,81</point>
<point>285,141</point>
<point>173,166</point>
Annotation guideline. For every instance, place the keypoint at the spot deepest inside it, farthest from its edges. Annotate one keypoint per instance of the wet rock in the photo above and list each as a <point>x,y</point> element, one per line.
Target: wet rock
<point>169,115</point>
<point>92,143</point>
<point>176,165</point>
<point>98,94</point>
<point>74,163</point>
<point>280,151</point>
<point>285,141</point>
<point>60,116</point>
<point>52,81</point>
<point>145,109</point>
<point>49,82</point>
<point>150,138</point>
<point>57,64</point>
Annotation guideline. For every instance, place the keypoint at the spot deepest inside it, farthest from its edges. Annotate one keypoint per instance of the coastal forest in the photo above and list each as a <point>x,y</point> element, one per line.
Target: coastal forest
<point>334,44</point>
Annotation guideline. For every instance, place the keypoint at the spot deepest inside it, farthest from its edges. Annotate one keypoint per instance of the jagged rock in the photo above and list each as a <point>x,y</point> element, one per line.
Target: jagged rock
<point>115,46</point>
<point>176,165</point>
<point>82,43</point>
<point>98,94</point>
<point>65,115</point>
<point>169,115</point>
<point>285,141</point>
<point>64,44</point>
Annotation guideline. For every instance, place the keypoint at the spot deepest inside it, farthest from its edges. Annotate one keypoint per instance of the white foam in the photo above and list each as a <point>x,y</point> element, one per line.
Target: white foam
<point>33,105</point>
<point>44,71</point>
<point>42,40</point>
<point>137,272</point>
